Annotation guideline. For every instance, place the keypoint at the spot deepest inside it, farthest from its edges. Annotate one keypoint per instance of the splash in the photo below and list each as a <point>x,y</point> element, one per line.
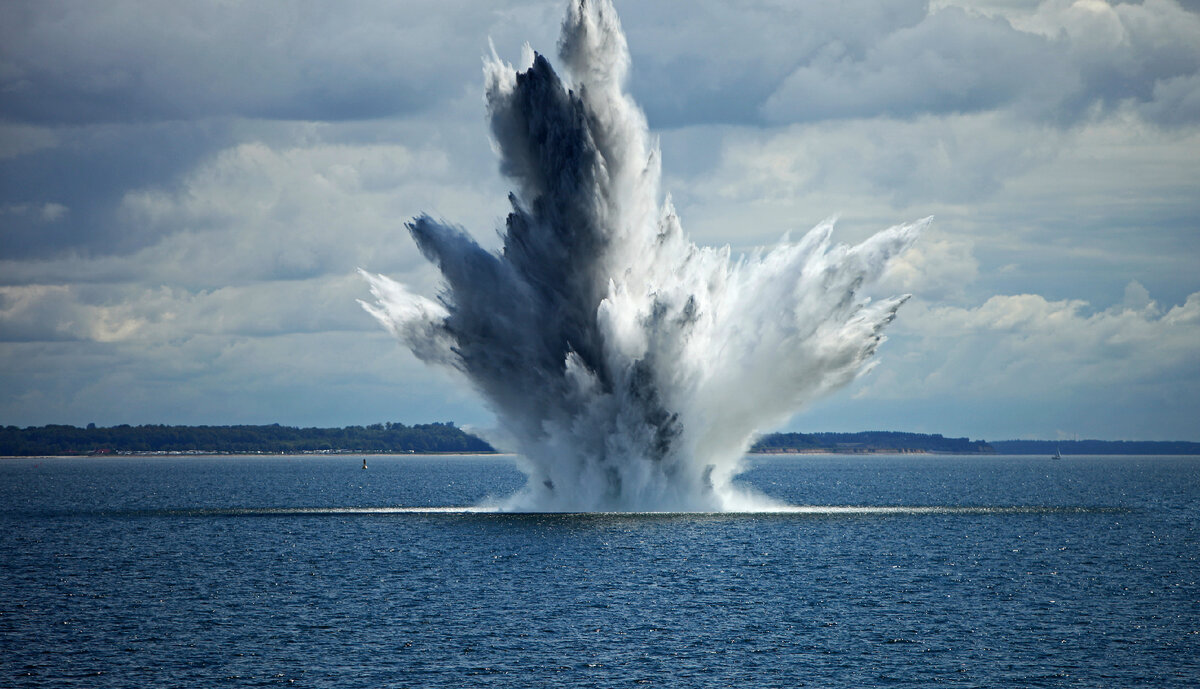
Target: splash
<point>632,368</point>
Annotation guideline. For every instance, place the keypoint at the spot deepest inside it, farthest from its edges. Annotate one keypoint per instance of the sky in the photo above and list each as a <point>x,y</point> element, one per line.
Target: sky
<point>187,190</point>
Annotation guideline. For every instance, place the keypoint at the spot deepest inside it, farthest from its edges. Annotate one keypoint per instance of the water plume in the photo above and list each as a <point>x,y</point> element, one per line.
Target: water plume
<point>632,368</point>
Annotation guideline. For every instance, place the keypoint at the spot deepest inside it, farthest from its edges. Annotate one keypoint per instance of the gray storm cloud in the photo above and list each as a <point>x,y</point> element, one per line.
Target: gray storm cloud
<point>632,367</point>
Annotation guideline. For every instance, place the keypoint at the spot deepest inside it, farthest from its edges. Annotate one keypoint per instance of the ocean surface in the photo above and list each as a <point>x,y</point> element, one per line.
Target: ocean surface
<point>911,571</point>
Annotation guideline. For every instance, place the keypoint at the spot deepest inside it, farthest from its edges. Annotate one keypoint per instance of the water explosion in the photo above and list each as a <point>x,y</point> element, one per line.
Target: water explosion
<point>632,367</point>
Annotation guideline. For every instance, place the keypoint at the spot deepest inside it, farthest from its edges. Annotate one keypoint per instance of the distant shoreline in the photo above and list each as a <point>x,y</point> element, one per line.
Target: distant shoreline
<point>761,453</point>
<point>201,453</point>
<point>272,439</point>
<point>448,439</point>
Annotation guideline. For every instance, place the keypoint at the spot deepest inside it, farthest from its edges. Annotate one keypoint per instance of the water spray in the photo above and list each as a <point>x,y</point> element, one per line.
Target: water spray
<point>632,367</point>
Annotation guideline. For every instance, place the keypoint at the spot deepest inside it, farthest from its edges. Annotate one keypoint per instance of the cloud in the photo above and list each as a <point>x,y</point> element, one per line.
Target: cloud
<point>252,213</point>
<point>21,139</point>
<point>937,269</point>
<point>125,61</point>
<point>1063,64</point>
<point>1047,211</point>
<point>103,98</point>
<point>43,213</point>
<point>1175,101</point>
<point>1023,366</point>
<point>55,312</point>
<point>764,182</point>
<point>951,62</point>
<point>1144,54</point>
<point>134,313</point>
<point>255,213</point>
<point>747,49</point>
<point>89,168</point>
<point>311,379</point>
<point>255,241</point>
<point>1025,346</point>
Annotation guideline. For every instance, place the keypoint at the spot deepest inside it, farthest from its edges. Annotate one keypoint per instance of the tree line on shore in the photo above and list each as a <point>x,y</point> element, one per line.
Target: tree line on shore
<point>446,437</point>
<point>868,441</point>
<point>375,438</point>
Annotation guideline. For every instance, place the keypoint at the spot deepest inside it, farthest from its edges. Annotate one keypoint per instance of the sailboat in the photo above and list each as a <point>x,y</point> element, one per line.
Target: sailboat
<point>1057,454</point>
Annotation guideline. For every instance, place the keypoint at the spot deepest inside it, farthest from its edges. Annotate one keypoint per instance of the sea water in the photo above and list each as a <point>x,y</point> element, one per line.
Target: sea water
<point>311,572</point>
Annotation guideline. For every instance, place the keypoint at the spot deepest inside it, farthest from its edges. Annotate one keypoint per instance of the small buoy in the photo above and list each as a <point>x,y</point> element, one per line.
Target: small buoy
<point>364,462</point>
